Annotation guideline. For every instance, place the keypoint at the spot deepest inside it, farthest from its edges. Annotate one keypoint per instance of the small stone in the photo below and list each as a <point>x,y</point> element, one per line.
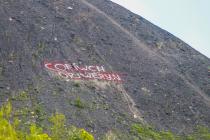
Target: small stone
<point>83,49</point>
<point>55,38</point>
<point>135,116</point>
<point>69,8</point>
<point>10,19</point>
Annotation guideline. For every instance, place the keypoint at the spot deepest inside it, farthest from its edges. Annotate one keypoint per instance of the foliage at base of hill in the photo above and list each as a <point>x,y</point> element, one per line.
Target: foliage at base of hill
<point>143,132</point>
<point>10,130</point>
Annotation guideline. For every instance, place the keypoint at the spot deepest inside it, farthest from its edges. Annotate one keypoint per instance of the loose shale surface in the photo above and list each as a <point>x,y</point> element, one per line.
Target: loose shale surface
<point>166,82</point>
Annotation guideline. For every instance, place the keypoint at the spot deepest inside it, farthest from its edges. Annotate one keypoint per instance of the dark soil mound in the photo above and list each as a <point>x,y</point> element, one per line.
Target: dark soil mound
<point>166,82</point>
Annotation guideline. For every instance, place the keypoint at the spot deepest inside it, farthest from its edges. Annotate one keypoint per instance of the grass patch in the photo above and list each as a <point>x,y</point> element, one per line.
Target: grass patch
<point>147,132</point>
<point>22,96</point>
<point>38,53</point>
<point>143,132</point>
<point>79,103</point>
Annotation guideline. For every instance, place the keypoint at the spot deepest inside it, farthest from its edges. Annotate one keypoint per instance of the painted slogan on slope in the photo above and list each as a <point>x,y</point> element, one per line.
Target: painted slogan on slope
<point>72,71</point>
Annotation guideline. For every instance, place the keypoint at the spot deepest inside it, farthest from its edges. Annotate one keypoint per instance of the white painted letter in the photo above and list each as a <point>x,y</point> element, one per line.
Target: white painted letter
<point>100,68</point>
<point>60,67</point>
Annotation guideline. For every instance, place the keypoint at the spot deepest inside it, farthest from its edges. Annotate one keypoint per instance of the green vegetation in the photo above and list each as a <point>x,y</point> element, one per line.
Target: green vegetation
<point>201,133</point>
<point>79,103</point>
<point>38,52</point>
<point>10,128</point>
<point>143,132</point>
<point>76,85</point>
<point>22,96</point>
<point>39,49</point>
<point>15,129</point>
<point>148,133</point>
<point>61,132</point>
<point>116,135</point>
<point>40,114</point>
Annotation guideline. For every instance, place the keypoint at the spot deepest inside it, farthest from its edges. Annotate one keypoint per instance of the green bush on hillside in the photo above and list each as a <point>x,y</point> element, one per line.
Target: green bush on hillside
<point>148,133</point>
<point>58,130</point>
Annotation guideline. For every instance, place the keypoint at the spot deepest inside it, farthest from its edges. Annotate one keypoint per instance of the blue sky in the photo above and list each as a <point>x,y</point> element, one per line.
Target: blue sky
<point>189,20</point>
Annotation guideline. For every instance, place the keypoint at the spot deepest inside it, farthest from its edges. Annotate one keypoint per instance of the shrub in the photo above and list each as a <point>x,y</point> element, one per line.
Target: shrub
<point>59,131</point>
<point>78,134</point>
<point>7,130</point>
<point>37,134</point>
<point>58,126</point>
<point>201,133</point>
<point>78,103</point>
<point>148,133</point>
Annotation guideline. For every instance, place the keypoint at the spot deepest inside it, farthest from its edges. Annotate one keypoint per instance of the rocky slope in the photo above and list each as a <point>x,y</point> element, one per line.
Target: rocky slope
<point>166,83</point>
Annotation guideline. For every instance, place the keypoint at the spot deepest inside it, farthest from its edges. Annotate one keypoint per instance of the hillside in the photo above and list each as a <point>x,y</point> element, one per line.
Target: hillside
<point>158,79</point>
